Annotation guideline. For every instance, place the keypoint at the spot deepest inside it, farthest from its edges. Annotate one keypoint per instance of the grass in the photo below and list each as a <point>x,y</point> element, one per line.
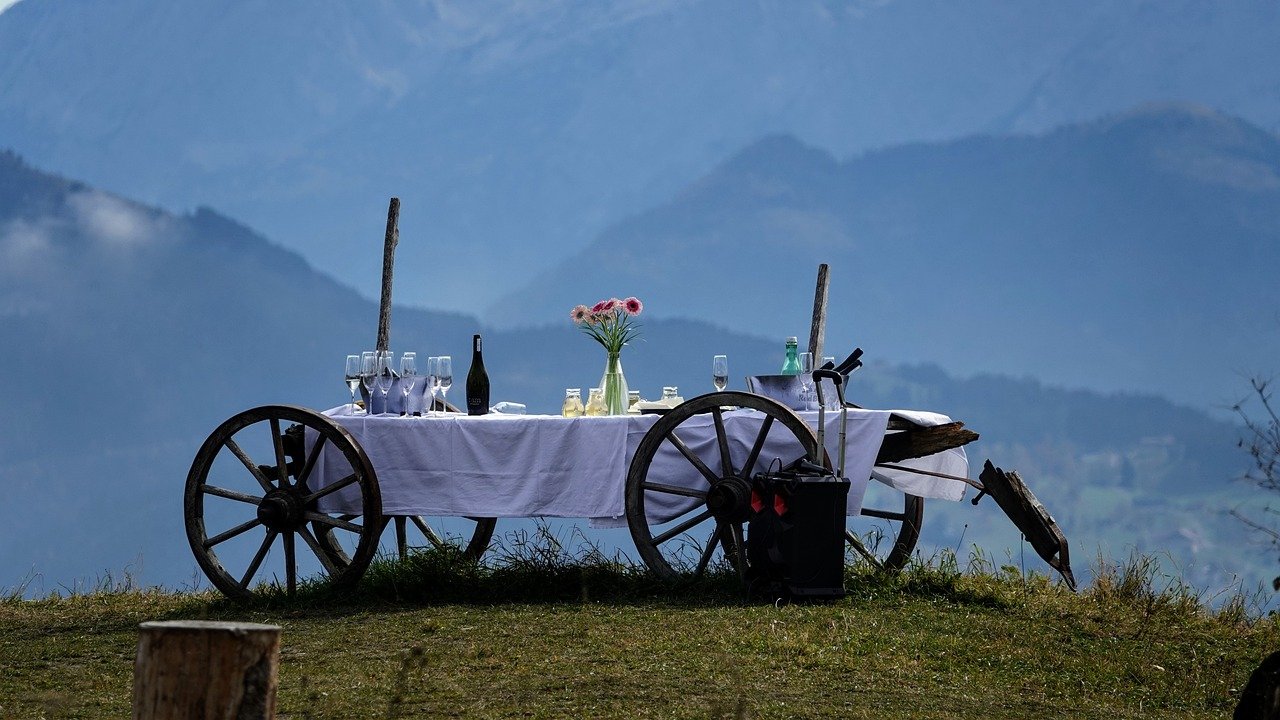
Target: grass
<point>536,633</point>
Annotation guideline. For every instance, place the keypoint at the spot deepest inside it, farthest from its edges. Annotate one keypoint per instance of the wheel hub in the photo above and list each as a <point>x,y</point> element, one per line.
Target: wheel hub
<point>730,500</point>
<point>280,511</point>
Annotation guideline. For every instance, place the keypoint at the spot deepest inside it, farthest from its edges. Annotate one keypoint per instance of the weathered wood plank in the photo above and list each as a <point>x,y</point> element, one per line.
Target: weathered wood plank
<point>388,262</point>
<point>818,328</point>
<point>920,441</point>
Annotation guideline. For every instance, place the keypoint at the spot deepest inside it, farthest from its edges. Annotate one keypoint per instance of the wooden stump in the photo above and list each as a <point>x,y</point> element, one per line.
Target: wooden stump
<point>203,669</point>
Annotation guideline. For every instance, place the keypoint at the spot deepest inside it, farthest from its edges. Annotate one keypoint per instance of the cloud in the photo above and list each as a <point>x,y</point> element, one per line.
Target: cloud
<point>113,221</point>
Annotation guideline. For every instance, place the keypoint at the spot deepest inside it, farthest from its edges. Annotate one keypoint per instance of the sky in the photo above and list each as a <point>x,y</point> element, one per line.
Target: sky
<point>4,4</point>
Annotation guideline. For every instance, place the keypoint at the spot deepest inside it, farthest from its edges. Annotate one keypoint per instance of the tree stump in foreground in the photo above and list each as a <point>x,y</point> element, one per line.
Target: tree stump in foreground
<point>202,669</point>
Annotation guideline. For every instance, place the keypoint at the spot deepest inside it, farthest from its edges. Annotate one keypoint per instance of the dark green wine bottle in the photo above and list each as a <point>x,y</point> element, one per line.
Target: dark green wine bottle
<point>477,381</point>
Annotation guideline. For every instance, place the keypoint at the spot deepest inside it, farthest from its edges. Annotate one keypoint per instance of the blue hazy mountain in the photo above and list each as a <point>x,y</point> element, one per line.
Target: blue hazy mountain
<point>515,132</point>
<point>1133,253</point>
<point>130,333</point>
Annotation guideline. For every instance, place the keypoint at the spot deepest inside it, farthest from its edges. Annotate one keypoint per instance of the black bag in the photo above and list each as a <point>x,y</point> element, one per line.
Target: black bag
<point>795,535</point>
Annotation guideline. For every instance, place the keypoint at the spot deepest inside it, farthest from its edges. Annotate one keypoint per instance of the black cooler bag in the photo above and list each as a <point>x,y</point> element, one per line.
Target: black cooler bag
<point>795,535</point>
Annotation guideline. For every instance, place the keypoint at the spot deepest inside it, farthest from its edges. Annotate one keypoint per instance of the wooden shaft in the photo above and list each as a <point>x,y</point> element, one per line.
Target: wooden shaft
<point>205,669</point>
<point>388,263</point>
<point>818,330</point>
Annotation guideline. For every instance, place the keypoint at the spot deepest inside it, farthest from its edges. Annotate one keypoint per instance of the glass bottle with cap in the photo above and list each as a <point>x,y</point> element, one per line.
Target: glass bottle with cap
<point>572,403</point>
<point>596,406</point>
<point>791,366</point>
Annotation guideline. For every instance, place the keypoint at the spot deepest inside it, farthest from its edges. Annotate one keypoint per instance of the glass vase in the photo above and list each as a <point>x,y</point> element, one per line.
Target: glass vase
<point>614,385</point>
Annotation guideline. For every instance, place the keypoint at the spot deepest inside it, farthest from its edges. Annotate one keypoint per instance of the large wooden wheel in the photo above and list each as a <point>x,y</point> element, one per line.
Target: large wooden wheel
<point>713,518</point>
<point>237,508</point>
<point>699,519</point>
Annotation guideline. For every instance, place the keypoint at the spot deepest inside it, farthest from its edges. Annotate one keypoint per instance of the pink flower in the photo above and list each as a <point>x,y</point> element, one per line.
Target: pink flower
<point>609,305</point>
<point>632,305</point>
<point>580,313</point>
<point>599,307</point>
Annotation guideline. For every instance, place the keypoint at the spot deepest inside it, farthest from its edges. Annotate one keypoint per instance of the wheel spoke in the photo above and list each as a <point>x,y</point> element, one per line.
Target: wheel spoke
<point>711,477</point>
<point>427,531</point>
<point>856,542</point>
<point>884,514</point>
<point>402,539</point>
<point>707,551</point>
<point>257,558</point>
<point>237,530</point>
<point>750,465</point>
<point>248,463</point>
<point>278,441</point>
<point>230,494</point>
<point>311,459</point>
<point>290,564</point>
<point>675,490</point>
<point>722,439</point>
<point>331,488</point>
<point>682,527</point>
<point>321,555</point>
<point>327,521</point>
<point>739,549</point>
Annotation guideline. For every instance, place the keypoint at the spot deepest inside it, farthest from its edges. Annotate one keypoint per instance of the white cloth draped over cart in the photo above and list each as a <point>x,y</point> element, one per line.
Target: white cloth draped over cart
<point>542,465</point>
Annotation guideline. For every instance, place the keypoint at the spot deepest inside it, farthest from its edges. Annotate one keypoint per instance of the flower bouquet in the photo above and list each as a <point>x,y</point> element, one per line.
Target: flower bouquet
<point>612,324</point>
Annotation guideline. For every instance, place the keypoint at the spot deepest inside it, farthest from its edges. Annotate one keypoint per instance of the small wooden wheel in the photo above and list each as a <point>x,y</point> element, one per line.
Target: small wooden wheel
<point>280,501</point>
<point>867,534</point>
<point>672,523</point>
<point>469,536</point>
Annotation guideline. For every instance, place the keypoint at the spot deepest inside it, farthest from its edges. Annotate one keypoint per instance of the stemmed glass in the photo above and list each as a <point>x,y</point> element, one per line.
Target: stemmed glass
<point>806,378</point>
<point>368,371</point>
<point>408,378</point>
<point>433,381</point>
<point>353,378</point>
<point>384,375</point>
<point>720,372</point>
<point>446,377</point>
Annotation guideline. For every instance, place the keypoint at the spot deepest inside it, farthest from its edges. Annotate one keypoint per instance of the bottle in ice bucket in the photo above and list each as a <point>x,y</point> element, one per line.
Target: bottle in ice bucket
<point>572,403</point>
<point>595,404</point>
<point>791,366</point>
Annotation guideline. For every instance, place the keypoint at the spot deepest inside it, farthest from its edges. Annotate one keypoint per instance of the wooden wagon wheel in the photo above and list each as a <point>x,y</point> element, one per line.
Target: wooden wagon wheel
<point>279,499</point>
<point>721,503</point>
<point>472,539</point>
<point>902,526</point>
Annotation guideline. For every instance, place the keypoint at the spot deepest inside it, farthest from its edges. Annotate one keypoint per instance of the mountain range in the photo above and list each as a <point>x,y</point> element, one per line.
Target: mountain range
<point>516,132</point>
<point>1133,253</point>
<point>154,327</point>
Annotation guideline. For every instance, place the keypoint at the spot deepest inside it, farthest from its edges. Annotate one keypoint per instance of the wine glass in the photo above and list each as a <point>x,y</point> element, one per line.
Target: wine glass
<point>384,375</point>
<point>408,378</point>
<point>368,371</point>
<point>720,372</point>
<point>446,377</point>
<point>433,381</point>
<point>806,377</point>
<point>353,378</point>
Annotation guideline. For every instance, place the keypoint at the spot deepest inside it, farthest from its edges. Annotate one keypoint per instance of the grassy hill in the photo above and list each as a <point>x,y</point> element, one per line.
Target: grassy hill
<point>543,637</point>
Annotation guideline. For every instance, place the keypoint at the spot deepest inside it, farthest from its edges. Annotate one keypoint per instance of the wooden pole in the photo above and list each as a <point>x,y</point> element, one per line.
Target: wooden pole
<point>388,263</point>
<point>818,330</point>
<point>205,669</point>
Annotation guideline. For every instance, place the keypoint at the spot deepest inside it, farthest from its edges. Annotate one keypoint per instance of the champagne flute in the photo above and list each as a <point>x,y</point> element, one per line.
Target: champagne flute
<point>446,378</point>
<point>408,378</point>
<point>384,376</point>
<point>806,377</point>
<point>720,372</point>
<point>433,381</point>
<point>368,371</point>
<point>353,378</point>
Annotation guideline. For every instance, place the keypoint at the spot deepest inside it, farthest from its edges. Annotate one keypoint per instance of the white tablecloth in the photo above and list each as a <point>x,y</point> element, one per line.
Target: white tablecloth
<point>540,465</point>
